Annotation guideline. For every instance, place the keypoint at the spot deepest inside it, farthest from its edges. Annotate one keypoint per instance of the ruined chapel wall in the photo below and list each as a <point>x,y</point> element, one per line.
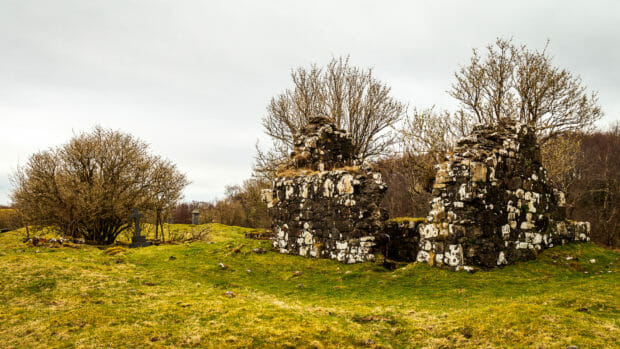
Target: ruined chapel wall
<point>492,204</point>
<point>332,214</point>
<point>325,204</point>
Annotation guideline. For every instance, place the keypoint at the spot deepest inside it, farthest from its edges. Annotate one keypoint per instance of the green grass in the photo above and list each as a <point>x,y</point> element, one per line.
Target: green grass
<point>407,219</point>
<point>90,297</point>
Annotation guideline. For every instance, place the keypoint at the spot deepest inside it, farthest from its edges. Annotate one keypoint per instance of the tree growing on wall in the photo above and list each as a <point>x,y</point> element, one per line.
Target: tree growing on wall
<point>515,81</point>
<point>351,96</point>
<point>89,186</point>
<point>507,81</point>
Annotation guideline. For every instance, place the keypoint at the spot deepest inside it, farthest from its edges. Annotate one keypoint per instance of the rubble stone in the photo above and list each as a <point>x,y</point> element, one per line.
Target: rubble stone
<point>492,204</point>
<point>325,202</point>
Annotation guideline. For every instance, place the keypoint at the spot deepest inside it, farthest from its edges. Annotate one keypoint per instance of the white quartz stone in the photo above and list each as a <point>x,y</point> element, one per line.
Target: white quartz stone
<point>501,259</point>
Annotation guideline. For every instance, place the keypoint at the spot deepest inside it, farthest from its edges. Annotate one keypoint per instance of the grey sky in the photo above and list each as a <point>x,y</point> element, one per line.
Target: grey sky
<point>193,78</point>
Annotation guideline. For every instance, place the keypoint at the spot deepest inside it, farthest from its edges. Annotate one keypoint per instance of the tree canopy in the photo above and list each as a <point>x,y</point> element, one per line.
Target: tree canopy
<point>89,186</point>
<point>352,97</point>
<point>515,81</point>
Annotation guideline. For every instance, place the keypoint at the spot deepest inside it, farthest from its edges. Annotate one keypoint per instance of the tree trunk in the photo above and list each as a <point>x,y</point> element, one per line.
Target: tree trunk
<point>156,224</point>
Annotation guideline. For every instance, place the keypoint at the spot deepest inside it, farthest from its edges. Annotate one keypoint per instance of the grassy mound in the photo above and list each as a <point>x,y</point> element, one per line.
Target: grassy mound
<point>222,294</point>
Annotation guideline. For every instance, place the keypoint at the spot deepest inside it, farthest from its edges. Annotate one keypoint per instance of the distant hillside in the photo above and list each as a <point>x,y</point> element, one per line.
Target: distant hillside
<point>8,218</point>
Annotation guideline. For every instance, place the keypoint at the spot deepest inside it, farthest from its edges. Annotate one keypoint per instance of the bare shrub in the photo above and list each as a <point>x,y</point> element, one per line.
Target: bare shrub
<point>88,187</point>
<point>352,97</point>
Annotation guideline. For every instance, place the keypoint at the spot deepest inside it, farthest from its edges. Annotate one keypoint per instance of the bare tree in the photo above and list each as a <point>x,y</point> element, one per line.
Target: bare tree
<point>514,81</point>
<point>509,81</point>
<point>89,186</point>
<point>426,136</point>
<point>561,155</point>
<point>432,133</point>
<point>595,189</point>
<point>351,96</point>
<point>166,189</point>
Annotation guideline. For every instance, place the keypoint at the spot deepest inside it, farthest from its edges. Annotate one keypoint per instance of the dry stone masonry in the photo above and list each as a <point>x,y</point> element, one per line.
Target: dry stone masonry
<point>492,204</point>
<point>325,202</point>
<point>401,239</point>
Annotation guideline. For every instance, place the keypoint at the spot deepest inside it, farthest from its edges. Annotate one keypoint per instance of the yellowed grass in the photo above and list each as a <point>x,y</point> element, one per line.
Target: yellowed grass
<point>174,296</point>
<point>408,219</point>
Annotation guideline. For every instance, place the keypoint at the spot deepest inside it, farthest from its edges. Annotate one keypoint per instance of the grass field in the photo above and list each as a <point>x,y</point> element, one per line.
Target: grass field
<point>176,295</point>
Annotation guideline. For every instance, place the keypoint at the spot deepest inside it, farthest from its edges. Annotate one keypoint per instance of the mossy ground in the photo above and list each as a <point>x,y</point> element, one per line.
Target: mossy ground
<point>174,295</point>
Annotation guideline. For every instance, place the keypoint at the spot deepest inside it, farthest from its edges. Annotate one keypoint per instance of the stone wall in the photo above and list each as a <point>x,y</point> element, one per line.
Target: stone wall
<point>322,146</point>
<point>401,239</point>
<point>492,204</point>
<point>325,202</point>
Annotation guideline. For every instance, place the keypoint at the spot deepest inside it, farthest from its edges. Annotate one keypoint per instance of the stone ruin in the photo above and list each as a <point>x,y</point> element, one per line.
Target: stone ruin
<point>325,201</point>
<point>492,205</point>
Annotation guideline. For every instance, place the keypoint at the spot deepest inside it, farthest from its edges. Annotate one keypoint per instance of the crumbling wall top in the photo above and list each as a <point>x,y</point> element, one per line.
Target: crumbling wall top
<point>322,146</point>
<point>492,204</point>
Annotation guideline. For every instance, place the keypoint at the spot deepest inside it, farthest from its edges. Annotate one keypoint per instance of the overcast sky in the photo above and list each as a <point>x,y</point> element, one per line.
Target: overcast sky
<point>193,78</point>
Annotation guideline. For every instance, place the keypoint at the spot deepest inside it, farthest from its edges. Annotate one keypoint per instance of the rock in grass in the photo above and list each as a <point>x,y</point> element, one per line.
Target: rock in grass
<point>368,342</point>
<point>229,294</point>
<point>195,339</point>
<point>259,250</point>
<point>388,264</point>
<point>258,235</point>
<point>592,261</point>
<point>467,332</point>
<point>316,345</point>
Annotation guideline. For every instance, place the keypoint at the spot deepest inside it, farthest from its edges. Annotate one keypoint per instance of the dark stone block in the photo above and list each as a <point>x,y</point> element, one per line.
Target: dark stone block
<point>332,207</point>
<point>511,215</point>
